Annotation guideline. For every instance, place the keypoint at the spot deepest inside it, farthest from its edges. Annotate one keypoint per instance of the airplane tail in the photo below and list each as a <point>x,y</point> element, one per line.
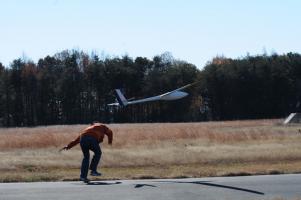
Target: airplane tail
<point>120,98</point>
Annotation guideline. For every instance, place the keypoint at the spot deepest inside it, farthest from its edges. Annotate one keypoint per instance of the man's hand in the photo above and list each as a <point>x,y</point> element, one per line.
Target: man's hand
<point>65,148</point>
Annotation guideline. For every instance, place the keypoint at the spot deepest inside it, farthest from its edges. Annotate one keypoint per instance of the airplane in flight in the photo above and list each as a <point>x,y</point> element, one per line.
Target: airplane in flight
<point>168,96</point>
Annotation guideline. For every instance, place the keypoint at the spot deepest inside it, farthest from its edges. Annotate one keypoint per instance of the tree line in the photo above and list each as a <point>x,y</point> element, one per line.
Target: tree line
<point>72,87</point>
<point>253,87</point>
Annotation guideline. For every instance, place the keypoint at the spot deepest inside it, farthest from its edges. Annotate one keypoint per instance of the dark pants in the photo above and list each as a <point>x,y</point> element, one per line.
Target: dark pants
<point>89,143</point>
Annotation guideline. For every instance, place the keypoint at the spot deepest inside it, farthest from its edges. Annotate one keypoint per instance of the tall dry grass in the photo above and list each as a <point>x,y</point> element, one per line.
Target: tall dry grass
<point>38,137</point>
<point>127,135</point>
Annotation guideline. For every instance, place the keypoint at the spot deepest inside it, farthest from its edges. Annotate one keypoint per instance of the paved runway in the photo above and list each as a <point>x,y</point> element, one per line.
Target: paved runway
<point>247,187</point>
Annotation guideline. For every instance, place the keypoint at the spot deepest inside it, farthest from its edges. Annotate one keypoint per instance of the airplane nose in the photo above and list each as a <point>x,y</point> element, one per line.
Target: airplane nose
<point>175,95</point>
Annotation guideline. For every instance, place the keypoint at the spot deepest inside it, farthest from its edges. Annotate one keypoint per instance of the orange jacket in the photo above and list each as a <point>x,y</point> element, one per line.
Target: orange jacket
<point>97,130</point>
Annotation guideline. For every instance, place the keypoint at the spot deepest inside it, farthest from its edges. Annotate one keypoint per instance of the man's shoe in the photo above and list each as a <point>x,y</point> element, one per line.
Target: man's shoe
<point>95,173</point>
<point>85,180</point>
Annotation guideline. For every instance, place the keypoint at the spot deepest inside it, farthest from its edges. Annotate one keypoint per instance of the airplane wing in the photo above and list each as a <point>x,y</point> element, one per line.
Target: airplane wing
<point>181,88</point>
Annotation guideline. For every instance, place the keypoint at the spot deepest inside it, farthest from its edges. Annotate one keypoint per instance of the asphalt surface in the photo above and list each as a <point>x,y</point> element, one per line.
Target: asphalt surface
<point>246,187</point>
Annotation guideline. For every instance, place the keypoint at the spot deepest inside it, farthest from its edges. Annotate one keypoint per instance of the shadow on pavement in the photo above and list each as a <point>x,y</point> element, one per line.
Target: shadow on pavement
<point>207,183</point>
<point>216,185</point>
<point>103,183</point>
<point>143,185</point>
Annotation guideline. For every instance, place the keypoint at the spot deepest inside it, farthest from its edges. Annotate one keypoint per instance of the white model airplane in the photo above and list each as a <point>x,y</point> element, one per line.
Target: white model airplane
<point>168,96</point>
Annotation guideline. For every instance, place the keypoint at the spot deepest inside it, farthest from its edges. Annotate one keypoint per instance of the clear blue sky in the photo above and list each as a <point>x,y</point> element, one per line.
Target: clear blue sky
<point>192,30</point>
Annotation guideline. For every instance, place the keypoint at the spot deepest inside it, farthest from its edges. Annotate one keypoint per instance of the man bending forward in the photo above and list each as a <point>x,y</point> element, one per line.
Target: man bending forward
<point>89,139</point>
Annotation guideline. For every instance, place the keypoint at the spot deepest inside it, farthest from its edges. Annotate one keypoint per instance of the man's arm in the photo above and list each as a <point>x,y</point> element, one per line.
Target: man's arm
<point>109,133</point>
<point>71,144</point>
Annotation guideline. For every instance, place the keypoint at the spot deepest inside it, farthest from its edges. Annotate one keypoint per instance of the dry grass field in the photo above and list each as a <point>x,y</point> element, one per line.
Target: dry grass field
<point>158,150</point>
